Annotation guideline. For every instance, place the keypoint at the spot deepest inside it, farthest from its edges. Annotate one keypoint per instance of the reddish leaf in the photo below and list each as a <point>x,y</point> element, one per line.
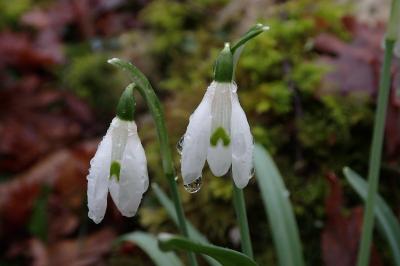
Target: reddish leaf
<point>356,68</point>
<point>64,172</point>
<point>32,125</point>
<point>85,251</point>
<point>340,237</point>
<point>18,50</point>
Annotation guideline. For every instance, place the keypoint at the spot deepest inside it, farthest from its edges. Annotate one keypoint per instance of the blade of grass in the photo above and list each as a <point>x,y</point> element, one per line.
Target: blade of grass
<point>193,232</point>
<point>225,256</point>
<point>388,225</point>
<point>241,214</point>
<point>375,157</point>
<point>149,244</point>
<point>279,210</point>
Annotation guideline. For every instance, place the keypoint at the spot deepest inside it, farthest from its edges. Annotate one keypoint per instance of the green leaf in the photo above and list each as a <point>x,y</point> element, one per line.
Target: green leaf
<point>193,232</point>
<point>275,197</point>
<point>225,256</point>
<point>388,225</point>
<point>149,244</point>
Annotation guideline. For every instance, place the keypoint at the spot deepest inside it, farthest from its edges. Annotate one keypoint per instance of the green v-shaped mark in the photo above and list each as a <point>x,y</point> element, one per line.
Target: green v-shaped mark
<point>220,134</point>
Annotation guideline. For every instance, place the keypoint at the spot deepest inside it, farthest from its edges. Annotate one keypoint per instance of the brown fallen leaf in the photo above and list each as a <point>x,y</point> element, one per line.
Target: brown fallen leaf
<point>63,171</point>
<point>355,68</point>
<point>33,124</point>
<point>341,234</point>
<point>84,251</point>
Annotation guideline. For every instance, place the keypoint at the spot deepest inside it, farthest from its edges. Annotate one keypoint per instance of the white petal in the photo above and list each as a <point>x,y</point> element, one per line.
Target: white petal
<point>98,179</point>
<point>219,156</point>
<point>133,181</point>
<point>119,137</point>
<point>242,145</point>
<point>196,139</point>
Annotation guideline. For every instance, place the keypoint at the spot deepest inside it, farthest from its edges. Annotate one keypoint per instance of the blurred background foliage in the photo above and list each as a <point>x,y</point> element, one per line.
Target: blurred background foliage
<point>283,78</point>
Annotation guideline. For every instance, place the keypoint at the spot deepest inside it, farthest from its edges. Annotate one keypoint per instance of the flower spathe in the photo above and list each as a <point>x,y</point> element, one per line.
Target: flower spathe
<point>119,166</point>
<point>218,132</point>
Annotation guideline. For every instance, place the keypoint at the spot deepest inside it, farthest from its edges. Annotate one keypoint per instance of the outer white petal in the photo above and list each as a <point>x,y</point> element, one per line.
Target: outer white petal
<point>98,179</point>
<point>219,158</point>
<point>242,145</point>
<point>196,139</point>
<point>133,181</point>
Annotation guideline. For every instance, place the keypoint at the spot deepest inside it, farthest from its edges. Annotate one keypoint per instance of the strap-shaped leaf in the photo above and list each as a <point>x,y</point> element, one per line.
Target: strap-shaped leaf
<point>388,225</point>
<point>225,256</point>
<point>275,197</point>
<point>149,244</point>
<point>193,232</point>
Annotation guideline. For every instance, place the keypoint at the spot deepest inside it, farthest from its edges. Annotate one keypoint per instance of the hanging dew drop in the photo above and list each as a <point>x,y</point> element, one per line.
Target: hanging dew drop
<point>252,171</point>
<point>179,145</point>
<point>194,186</point>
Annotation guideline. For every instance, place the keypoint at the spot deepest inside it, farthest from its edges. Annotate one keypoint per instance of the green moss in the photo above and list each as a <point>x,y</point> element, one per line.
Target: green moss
<point>10,11</point>
<point>92,79</point>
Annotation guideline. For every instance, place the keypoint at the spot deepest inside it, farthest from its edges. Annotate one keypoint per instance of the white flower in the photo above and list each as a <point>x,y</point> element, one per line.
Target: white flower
<point>119,166</point>
<point>218,132</point>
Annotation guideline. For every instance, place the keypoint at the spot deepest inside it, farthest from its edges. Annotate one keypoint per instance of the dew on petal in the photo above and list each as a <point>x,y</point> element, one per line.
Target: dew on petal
<point>252,171</point>
<point>179,145</point>
<point>194,186</point>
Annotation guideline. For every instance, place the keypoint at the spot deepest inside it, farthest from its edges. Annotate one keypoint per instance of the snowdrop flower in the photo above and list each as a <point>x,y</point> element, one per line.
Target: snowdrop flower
<point>119,165</point>
<point>218,132</point>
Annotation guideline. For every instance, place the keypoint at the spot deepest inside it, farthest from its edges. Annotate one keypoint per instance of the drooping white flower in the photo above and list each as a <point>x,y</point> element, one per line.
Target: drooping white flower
<point>119,166</point>
<point>218,132</point>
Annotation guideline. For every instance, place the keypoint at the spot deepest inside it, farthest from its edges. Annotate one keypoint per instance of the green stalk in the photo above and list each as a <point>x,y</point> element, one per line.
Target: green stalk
<point>147,92</point>
<point>241,217</point>
<point>375,156</point>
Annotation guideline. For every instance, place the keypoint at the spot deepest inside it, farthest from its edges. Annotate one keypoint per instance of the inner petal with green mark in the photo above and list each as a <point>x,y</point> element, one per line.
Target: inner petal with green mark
<point>115,170</point>
<point>220,134</point>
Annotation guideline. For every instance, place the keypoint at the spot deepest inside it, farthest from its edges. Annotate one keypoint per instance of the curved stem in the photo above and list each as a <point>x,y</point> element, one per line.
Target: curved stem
<point>147,92</point>
<point>375,156</point>
<point>241,216</point>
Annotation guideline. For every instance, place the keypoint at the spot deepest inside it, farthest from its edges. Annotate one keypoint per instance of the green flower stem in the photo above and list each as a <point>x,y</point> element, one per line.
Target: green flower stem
<point>375,156</point>
<point>241,216</point>
<point>237,47</point>
<point>250,34</point>
<point>147,92</point>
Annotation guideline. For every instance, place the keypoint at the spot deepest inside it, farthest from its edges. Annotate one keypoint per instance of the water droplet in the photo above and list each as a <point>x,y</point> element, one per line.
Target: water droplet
<point>252,171</point>
<point>176,178</point>
<point>179,145</point>
<point>194,186</point>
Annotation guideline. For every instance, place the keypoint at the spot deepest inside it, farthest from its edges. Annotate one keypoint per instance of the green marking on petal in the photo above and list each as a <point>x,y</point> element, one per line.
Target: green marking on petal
<point>115,169</point>
<point>220,134</point>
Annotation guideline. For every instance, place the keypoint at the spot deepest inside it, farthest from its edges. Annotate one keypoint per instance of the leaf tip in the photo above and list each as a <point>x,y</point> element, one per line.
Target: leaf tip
<point>163,237</point>
<point>113,61</point>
